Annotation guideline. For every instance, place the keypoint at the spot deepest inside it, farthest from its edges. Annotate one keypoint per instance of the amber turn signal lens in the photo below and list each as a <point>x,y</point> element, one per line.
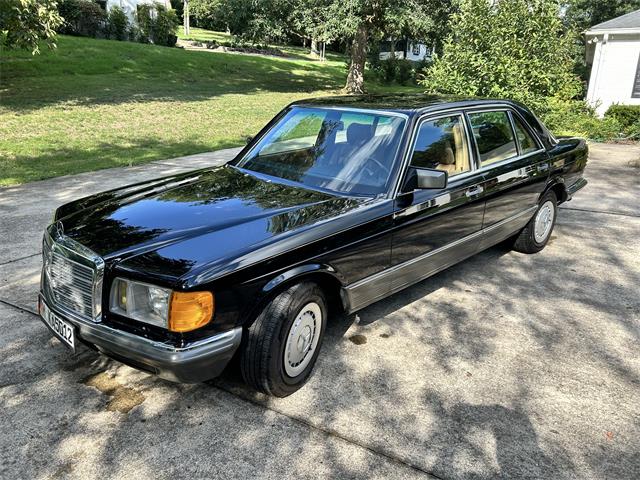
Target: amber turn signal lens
<point>190,310</point>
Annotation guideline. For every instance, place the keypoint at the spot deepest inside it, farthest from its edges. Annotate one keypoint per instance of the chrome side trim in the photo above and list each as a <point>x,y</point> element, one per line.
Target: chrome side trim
<point>357,291</point>
<point>577,185</point>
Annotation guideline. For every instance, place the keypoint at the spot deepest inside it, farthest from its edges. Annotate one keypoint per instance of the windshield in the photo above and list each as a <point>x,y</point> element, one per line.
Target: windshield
<point>345,151</point>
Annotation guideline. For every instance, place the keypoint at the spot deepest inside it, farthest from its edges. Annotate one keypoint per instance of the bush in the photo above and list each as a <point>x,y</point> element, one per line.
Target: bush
<point>404,71</point>
<point>157,25</point>
<point>577,118</point>
<point>82,17</point>
<point>388,69</point>
<point>628,116</point>
<point>516,49</point>
<point>117,24</point>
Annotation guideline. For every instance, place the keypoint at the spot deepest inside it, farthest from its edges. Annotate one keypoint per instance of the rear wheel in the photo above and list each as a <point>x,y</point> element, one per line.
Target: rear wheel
<point>282,345</point>
<point>537,232</point>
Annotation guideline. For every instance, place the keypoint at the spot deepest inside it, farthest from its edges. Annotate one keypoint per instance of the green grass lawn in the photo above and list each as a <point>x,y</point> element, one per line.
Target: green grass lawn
<point>204,35</point>
<point>294,52</point>
<point>95,104</point>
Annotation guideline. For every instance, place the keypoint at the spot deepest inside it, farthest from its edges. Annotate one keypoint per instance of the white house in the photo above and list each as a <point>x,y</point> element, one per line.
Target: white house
<point>413,50</point>
<point>613,51</point>
<point>130,7</point>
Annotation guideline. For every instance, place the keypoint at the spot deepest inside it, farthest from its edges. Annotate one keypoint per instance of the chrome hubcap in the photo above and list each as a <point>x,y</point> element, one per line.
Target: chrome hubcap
<point>302,339</point>
<point>544,222</point>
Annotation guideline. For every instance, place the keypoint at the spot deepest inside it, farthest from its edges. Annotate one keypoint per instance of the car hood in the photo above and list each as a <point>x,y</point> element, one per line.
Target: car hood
<point>202,216</point>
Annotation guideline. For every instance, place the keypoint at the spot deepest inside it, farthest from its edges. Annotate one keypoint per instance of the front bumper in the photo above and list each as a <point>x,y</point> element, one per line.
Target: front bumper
<point>197,362</point>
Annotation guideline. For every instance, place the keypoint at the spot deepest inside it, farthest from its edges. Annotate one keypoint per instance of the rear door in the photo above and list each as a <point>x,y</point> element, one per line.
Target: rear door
<point>437,228</point>
<point>515,167</point>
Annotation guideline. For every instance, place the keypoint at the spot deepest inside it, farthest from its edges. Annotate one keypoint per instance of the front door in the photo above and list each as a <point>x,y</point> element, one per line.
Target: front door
<point>434,229</point>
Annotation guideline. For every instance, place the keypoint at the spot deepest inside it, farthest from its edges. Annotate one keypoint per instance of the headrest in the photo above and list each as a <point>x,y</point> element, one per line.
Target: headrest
<point>359,133</point>
<point>448,158</point>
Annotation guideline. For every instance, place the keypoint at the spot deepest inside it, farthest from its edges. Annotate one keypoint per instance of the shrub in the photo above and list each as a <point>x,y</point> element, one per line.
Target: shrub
<point>157,25</point>
<point>420,69</point>
<point>82,17</point>
<point>145,19</point>
<point>373,57</point>
<point>628,116</point>
<point>164,30</point>
<point>117,24</point>
<point>517,49</point>
<point>134,33</point>
<point>404,71</point>
<point>577,118</point>
<point>388,69</point>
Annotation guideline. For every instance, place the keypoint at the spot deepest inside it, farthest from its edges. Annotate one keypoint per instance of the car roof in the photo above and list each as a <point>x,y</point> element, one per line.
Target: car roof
<point>402,103</point>
<point>417,104</point>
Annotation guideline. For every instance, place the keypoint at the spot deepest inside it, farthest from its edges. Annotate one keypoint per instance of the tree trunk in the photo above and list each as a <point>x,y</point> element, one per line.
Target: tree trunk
<point>185,14</point>
<point>314,46</point>
<point>355,78</point>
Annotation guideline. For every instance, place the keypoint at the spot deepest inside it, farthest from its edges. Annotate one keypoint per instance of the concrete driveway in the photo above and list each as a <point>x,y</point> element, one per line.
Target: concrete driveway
<point>507,365</point>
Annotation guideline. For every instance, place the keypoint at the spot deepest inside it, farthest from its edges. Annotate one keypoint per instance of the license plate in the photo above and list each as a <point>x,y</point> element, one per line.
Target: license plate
<point>63,330</point>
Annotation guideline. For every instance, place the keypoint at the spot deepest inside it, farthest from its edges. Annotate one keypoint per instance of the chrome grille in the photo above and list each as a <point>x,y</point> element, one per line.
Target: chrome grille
<point>73,277</point>
<point>71,284</point>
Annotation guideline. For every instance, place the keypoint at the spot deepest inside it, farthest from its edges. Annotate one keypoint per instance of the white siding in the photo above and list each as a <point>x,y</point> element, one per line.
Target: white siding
<point>613,72</point>
<point>423,52</point>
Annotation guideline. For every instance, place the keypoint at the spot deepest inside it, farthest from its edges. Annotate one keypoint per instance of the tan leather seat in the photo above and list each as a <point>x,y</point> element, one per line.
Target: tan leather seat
<point>455,161</point>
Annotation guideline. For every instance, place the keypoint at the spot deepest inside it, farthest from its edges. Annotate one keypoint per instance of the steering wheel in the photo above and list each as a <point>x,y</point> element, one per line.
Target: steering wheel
<point>380,167</point>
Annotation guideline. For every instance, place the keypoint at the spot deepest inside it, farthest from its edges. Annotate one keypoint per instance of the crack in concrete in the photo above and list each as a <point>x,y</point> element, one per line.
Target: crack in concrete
<point>604,212</point>
<point>335,434</point>
<point>18,307</point>
<point>326,431</point>
<point>20,258</point>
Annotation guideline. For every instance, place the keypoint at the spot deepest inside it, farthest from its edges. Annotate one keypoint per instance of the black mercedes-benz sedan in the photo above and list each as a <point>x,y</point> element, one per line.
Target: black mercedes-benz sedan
<point>335,204</point>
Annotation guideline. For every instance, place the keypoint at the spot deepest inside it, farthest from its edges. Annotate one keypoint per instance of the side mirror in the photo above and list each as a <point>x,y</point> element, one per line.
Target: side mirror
<point>429,179</point>
<point>248,139</point>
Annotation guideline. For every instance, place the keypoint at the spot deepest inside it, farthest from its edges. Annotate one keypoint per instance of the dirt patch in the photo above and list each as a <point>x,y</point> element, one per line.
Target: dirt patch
<point>634,163</point>
<point>122,398</point>
<point>358,339</point>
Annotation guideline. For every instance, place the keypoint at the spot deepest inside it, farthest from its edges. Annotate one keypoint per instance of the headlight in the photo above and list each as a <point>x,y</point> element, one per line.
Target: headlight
<point>175,311</point>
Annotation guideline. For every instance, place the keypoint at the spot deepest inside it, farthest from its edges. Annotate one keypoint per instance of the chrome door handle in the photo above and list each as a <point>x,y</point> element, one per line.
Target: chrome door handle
<point>473,191</point>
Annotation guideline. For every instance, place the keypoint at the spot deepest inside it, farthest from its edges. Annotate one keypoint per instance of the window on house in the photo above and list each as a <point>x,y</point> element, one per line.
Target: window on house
<point>416,49</point>
<point>494,136</point>
<point>102,3</point>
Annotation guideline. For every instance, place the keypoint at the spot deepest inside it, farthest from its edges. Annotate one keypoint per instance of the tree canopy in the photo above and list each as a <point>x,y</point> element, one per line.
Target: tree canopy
<point>25,23</point>
<point>517,48</point>
<point>583,14</point>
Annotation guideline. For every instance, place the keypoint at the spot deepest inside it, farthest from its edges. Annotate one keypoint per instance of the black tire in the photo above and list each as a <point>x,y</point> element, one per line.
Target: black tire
<point>525,241</point>
<point>262,359</point>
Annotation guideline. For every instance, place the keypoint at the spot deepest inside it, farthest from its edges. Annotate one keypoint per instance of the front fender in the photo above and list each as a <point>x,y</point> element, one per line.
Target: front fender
<point>301,271</point>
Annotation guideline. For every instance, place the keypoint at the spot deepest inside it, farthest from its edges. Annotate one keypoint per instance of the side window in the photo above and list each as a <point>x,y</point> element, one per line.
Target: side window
<point>441,144</point>
<point>494,137</point>
<point>526,141</point>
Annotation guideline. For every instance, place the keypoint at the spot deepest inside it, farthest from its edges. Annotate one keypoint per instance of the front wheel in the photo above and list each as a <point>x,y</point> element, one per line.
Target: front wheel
<point>537,232</point>
<point>282,345</point>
